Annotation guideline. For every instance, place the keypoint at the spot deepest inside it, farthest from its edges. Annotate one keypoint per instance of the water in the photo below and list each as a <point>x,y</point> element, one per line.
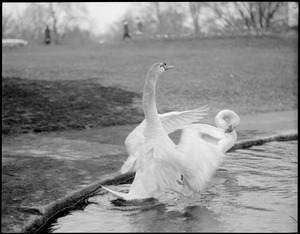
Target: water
<point>255,190</point>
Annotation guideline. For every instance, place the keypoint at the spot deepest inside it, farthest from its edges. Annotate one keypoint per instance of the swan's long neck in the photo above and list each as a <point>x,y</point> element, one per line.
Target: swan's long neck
<point>149,103</point>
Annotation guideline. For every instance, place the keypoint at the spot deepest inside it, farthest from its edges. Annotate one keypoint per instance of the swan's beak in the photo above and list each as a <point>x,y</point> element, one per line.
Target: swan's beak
<point>229,129</point>
<point>167,67</point>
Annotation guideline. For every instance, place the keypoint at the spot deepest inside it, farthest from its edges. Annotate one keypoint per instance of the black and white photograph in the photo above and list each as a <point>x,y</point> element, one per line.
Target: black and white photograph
<point>149,117</point>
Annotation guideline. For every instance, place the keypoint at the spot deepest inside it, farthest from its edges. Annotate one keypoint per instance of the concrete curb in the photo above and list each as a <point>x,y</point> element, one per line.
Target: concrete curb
<point>248,143</point>
<point>79,196</point>
<point>73,199</point>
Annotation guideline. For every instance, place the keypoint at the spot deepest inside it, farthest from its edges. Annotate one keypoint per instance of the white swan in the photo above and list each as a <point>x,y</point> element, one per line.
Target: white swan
<point>159,162</point>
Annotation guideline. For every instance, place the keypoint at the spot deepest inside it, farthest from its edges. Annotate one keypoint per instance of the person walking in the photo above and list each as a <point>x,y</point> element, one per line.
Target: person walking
<point>139,26</point>
<point>47,35</point>
<point>126,30</point>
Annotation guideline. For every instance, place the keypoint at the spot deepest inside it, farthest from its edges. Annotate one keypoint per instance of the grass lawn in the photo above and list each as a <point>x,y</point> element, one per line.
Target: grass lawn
<point>48,88</point>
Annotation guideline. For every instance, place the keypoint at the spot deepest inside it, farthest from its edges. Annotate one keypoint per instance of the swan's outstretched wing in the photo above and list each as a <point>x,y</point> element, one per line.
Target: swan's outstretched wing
<point>135,138</point>
<point>129,165</point>
<point>200,161</point>
<point>175,120</point>
<point>171,121</point>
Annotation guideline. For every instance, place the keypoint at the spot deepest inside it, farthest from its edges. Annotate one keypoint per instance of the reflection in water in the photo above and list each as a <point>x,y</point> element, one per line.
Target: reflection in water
<point>255,190</point>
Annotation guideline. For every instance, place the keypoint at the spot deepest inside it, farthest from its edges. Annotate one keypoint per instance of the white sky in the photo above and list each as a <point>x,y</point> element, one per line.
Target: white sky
<point>102,13</point>
<point>105,13</point>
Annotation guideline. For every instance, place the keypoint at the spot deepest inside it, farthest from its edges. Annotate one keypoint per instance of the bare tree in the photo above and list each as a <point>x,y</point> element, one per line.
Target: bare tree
<point>195,13</point>
<point>158,19</point>
<point>27,25</point>
<point>257,14</point>
<point>247,13</point>
<point>63,16</point>
<point>34,19</point>
<point>6,19</point>
<point>171,18</point>
<point>173,22</point>
<point>154,12</point>
<point>266,12</point>
<point>223,12</point>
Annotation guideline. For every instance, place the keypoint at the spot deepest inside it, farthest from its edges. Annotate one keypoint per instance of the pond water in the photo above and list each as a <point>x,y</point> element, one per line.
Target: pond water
<point>255,190</point>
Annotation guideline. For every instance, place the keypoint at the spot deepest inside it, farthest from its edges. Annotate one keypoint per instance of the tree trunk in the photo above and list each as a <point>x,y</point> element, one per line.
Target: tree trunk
<point>261,14</point>
<point>55,33</point>
<point>54,19</point>
<point>195,12</point>
<point>196,28</point>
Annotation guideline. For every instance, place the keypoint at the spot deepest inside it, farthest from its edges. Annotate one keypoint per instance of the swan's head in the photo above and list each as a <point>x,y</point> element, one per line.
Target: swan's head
<point>159,68</point>
<point>228,120</point>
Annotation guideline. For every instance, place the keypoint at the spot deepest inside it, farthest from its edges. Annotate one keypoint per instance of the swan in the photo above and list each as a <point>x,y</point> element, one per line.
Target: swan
<point>159,163</point>
<point>150,168</point>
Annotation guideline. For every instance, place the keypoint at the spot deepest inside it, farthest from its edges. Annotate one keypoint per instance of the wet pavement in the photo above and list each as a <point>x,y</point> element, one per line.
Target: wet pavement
<point>43,172</point>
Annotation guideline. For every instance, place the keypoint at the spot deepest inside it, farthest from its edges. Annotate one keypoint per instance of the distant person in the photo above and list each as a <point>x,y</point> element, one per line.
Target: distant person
<point>139,26</point>
<point>126,30</point>
<point>47,35</point>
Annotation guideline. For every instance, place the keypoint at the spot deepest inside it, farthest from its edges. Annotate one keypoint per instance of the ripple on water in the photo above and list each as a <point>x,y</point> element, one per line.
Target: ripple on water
<point>255,190</point>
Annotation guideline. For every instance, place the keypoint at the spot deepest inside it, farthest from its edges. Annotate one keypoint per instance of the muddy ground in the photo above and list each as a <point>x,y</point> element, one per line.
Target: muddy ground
<point>42,106</point>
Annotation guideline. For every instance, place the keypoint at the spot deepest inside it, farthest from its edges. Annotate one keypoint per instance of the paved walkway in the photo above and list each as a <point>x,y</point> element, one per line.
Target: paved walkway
<point>39,169</point>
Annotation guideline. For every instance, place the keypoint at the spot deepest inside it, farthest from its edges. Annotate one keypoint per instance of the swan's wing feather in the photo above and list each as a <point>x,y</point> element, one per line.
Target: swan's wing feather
<point>200,161</point>
<point>135,138</point>
<point>177,120</point>
<point>129,165</point>
<point>154,173</point>
<point>133,141</point>
<point>171,121</point>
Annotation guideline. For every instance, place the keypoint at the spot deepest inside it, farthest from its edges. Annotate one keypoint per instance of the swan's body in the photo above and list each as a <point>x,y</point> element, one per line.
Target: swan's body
<point>171,122</point>
<point>159,163</point>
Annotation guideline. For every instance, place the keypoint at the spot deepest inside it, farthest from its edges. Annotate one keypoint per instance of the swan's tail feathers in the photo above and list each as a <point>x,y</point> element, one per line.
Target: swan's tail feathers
<point>129,164</point>
<point>120,195</point>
